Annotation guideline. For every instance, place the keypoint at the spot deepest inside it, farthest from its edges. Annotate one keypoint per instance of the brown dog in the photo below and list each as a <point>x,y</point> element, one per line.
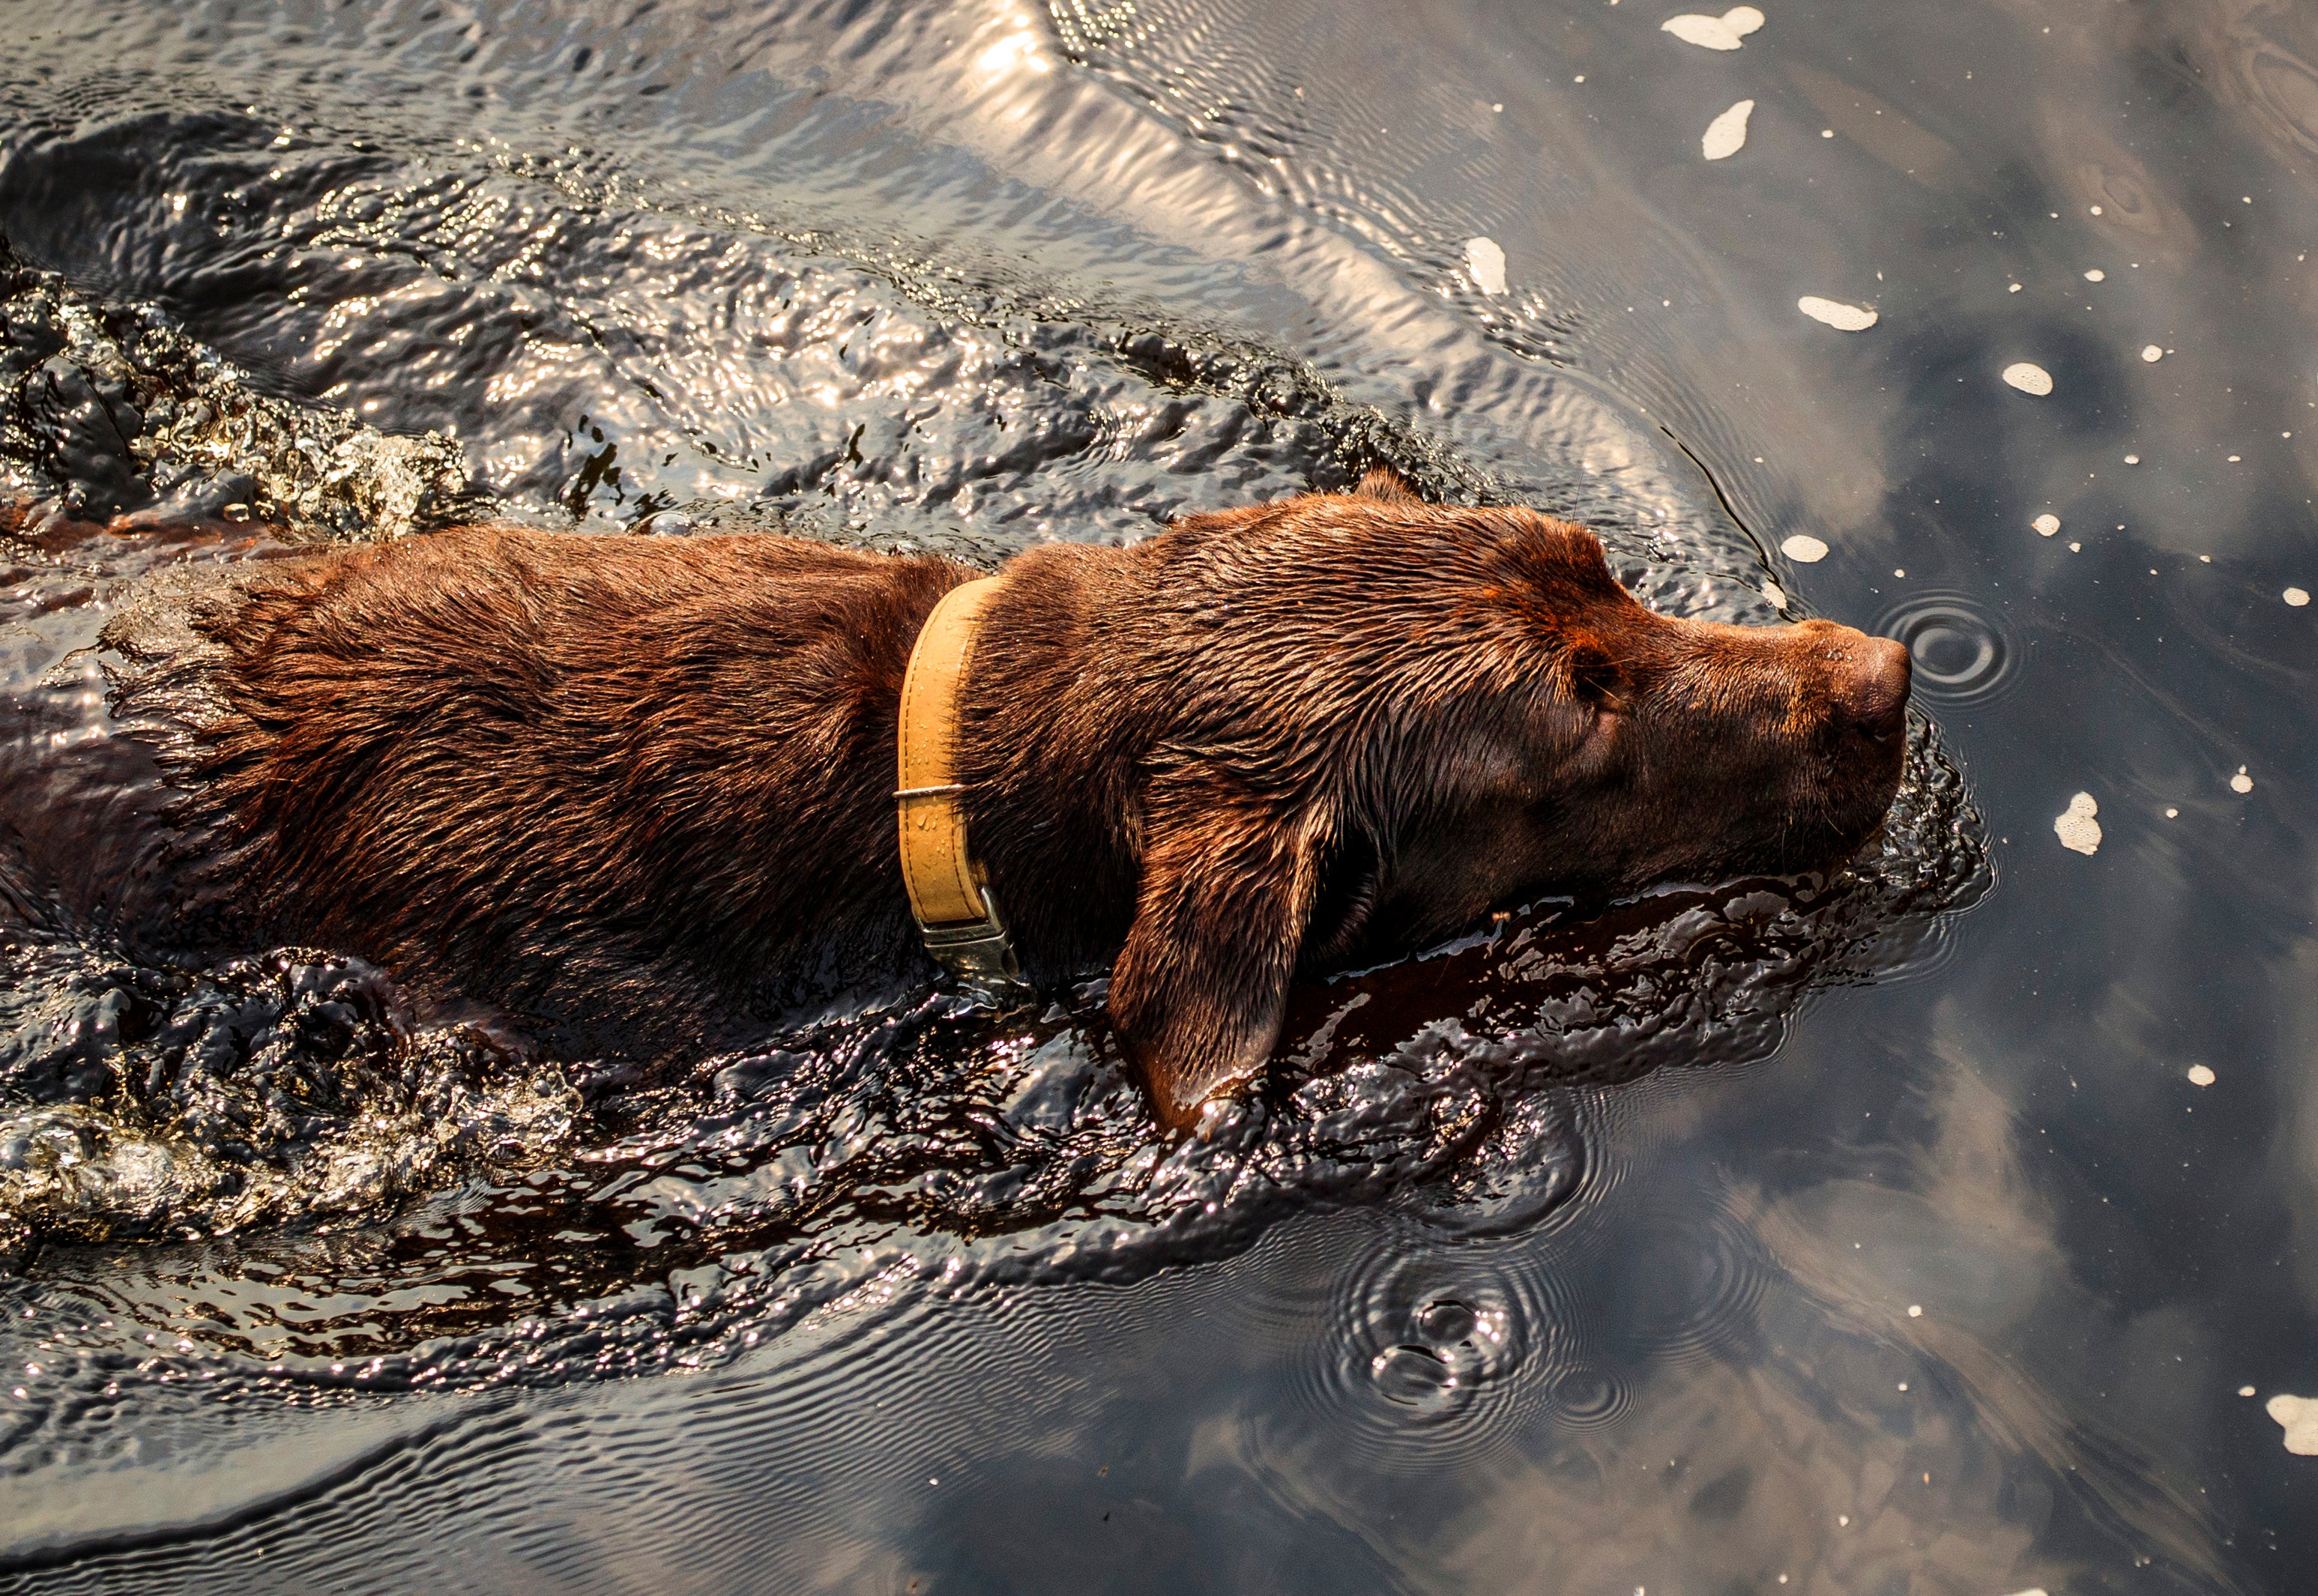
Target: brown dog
<point>649,782</point>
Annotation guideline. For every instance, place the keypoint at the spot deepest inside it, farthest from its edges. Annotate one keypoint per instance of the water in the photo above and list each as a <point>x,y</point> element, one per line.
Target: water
<point>1584,1255</point>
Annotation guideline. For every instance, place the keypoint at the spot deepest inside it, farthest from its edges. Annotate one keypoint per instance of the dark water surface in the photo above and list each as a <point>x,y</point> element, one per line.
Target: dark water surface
<point>1868,1235</point>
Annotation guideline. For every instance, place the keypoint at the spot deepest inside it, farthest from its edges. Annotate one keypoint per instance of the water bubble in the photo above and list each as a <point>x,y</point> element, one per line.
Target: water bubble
<point>1415,1376</point>
<point>1420,1363</point>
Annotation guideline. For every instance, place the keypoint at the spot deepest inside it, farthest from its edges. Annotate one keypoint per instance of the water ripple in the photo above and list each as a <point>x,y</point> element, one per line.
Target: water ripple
<point>1963,654</point>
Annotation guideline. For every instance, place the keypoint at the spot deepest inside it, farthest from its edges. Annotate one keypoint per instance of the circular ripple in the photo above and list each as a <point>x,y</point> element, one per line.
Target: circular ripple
<point>1687,1284</point>
<point>1590,1398</point>
<point>1961,653</point>
<point>1428,1358</point>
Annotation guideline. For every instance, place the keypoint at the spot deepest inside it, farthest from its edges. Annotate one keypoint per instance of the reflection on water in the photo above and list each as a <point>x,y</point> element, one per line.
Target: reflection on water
<point>1534,1266</point>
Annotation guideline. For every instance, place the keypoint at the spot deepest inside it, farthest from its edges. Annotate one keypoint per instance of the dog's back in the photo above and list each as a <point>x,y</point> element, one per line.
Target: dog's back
<point>504,761</point>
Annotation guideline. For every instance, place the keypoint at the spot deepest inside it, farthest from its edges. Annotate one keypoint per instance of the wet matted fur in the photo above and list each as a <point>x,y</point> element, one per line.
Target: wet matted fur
<point>645,784</point>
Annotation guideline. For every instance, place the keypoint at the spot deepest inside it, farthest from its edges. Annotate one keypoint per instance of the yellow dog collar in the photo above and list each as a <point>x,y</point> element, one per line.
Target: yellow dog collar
<point>947,894</point>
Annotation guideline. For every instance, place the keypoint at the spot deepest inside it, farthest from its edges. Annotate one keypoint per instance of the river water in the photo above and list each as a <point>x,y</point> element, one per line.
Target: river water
<point>1943,1226</point>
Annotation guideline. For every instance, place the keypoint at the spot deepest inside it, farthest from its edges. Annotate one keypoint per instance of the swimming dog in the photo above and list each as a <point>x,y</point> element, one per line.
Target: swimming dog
<point>651,783</point>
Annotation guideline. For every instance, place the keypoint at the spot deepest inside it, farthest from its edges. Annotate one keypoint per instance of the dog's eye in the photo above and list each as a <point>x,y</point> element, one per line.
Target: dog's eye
<point>1594,679</point>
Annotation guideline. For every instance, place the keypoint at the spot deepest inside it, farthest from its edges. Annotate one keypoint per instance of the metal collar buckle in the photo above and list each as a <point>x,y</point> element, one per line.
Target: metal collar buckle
<point>979,953</point>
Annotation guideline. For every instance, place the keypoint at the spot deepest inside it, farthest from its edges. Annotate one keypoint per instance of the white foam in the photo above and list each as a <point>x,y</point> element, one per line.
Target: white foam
<point>2029,379</point>
<point>2241,782</point>
<point>1485,261</point>
<point>2075,827</point>
<point>1843,317</point>
<point>2298,1417</point>
<point>2201,1075</point>
<point>2046,525</point>
<point>1775,593</point>
<point>2096,275</point>
<point>1727,32</point>
<point>1726,135</point>
<point>2297,597</point>
<point>1804,549</point>
<point>2152,354</point>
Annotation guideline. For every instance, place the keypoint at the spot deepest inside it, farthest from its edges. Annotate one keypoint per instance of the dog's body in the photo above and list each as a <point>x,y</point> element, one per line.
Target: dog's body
<point>648,782</point>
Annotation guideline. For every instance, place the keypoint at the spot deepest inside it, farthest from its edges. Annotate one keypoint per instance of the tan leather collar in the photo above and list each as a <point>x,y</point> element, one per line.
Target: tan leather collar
<point>947,894</point>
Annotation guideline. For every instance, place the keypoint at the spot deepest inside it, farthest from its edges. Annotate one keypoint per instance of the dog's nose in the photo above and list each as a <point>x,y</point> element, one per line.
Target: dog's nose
<point>1872,684</point>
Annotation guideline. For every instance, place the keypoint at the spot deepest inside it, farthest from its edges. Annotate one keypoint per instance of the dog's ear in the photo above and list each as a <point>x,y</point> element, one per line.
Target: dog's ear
<point>1385,483</point>
<point>1197,992</point>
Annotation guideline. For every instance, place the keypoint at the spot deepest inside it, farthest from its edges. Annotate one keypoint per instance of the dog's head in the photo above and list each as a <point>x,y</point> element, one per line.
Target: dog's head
<point>1594,747</point>
<point>1389,719</point>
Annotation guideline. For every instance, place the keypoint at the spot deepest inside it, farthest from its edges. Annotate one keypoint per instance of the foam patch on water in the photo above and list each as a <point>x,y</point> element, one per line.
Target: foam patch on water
<point>2296,596</point>
<point>2046,525</point>
<point>1804,549</point>
<point>2298,1417</point>
<point>2201,1075</point>
<point>1727,32</point>
<point>1485,262</point>
<point>2152,354</point>
<point>2076,828</point>
<point>1843,317</point>
<point>2241,782</point>
<point>2028,378</point>
<point>1726,135</point>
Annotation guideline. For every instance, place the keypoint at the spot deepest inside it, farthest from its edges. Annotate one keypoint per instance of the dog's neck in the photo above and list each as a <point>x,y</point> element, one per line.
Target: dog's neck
<point>949,893</point>
<point>1060,684</point>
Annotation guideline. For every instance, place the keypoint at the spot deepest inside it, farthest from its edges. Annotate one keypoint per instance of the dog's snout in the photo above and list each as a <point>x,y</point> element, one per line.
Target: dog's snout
<point>1872,684</point>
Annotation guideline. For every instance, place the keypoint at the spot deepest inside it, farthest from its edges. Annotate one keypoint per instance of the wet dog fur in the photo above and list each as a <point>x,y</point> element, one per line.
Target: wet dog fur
<point>637,791</point>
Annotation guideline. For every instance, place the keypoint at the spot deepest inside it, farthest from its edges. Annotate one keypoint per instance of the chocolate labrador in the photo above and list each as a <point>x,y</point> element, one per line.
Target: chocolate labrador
<point>650,783</point>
